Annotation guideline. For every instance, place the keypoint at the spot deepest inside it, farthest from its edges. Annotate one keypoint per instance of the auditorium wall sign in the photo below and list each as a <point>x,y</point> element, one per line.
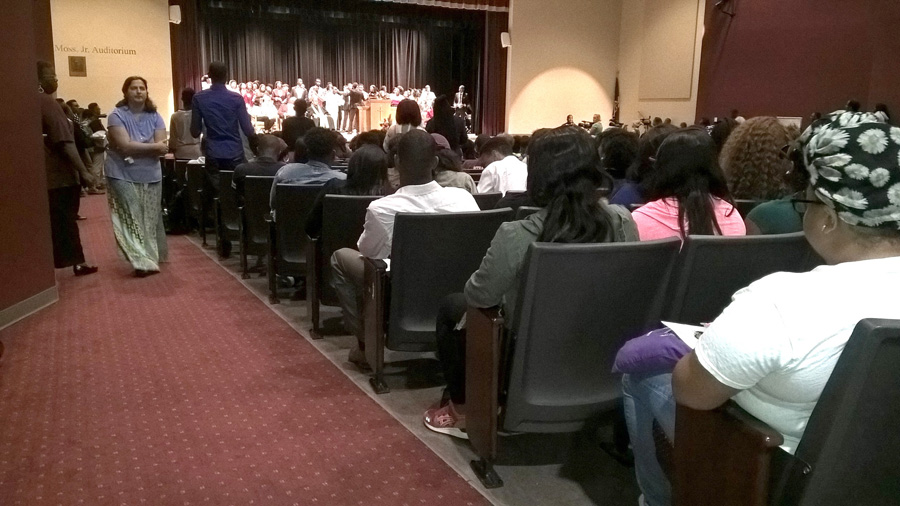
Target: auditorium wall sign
<point>62,48</point>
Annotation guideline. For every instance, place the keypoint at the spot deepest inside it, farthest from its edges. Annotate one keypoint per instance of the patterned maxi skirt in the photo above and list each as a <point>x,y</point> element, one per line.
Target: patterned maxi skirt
<point>136,211</point>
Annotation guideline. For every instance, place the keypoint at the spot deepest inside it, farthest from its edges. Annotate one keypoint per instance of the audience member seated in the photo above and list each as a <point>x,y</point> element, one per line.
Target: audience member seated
<point>753,159</point>
<point>618,149</point>
<point>774,347</point>
<point>409,117</point>
<point>474,162</point>
<point>502,170</point>
<point>374,137</point>
<point>779,216</point>
<point>366,175</point>
<point>721,131</point>
<point>564,175</point>
<point>755,163</point>
<point>271,149</point>
<point>520,145</point>
<point>687,191</point>
<point>631,192</point>
<point>449,168</point>
<point>419,193</point>
<point>320,146</point>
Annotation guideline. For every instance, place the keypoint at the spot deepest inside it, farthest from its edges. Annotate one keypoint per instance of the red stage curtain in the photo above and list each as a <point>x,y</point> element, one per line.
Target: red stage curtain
<point>185,39</point>
<point>490,106</point>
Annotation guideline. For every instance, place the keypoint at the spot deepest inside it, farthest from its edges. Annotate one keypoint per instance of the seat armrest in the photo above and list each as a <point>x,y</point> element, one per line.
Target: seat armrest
<point>377,264</point>
<point>372,311</point>
<point>484,337</point>
<point>753,427</point>
<point>722,456</point>
<point>314,265</point>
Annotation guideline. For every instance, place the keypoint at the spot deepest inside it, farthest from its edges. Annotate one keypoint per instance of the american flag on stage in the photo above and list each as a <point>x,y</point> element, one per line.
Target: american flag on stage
<point>615,114</point>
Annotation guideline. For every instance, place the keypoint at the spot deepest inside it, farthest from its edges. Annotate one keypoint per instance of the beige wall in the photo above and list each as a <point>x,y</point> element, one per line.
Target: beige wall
<point>562,61</point>
<point>641,33</point>
<point>139,27</point>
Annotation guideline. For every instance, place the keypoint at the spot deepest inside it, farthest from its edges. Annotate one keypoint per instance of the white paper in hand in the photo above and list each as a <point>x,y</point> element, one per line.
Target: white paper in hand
<point>690,334</point>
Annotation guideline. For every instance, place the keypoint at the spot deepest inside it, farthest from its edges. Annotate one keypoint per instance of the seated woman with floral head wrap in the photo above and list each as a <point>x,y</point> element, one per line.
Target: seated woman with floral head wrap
<point>773,348</point>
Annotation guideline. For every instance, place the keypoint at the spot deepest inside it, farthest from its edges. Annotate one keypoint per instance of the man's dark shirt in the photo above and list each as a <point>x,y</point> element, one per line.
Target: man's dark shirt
<point>356,98</point>
<point>224,115</point>
<point>294,128</point>
<point>259,166</point>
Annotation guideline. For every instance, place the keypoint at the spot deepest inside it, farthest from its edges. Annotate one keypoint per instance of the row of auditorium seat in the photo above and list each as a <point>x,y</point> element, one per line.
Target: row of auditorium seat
<point>583,301</point>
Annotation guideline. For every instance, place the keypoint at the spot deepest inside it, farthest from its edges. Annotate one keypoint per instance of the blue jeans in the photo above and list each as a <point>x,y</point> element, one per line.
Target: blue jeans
<point>648,397</point>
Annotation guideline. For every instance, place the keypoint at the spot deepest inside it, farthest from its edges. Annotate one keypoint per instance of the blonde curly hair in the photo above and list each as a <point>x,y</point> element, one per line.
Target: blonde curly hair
<point>753,160</point>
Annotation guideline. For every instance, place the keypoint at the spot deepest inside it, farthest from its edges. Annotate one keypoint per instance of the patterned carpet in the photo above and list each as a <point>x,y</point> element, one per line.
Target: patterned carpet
<point>183,388</point>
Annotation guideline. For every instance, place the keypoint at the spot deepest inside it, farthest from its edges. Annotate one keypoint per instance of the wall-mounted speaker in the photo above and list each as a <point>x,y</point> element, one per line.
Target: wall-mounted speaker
<point>504,39</point>
<point>175,14</point>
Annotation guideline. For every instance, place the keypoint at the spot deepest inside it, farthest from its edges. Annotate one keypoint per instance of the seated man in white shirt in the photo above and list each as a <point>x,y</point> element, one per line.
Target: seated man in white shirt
<point>418,193</point>
<point>503,171</point>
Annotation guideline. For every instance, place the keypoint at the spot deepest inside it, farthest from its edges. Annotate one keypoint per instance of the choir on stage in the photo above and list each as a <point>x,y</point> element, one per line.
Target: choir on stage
<point>329,105</point>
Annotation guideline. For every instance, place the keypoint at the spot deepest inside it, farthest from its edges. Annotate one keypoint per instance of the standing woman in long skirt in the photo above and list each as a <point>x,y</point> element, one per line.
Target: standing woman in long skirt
<point>137,136</point>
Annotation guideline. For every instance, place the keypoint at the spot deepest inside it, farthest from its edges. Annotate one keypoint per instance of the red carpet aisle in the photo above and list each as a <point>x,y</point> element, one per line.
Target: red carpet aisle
<point>183,388</point>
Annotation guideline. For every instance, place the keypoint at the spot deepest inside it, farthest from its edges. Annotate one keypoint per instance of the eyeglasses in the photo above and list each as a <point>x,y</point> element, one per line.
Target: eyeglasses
<point>801,205</point>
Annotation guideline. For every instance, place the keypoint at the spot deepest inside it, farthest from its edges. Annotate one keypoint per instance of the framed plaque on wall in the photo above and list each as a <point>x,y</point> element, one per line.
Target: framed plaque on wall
<point>77,66</point>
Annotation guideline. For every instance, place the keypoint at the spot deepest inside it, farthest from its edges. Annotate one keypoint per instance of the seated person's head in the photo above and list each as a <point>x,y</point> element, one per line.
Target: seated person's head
<point>495,149</point>
<point>320,144</point>
<point>721,131</point>
<point>853,160</point>
<point>447,158</point>
<point>271,146</point>
<point>687,170</point>
<point>564,176</point>
<point>341,149</point>
<point>373,137</point>
<point>520,144</point>
<point>415,159</point>
<point>647,146</point>
<point>617,149</point>
<point>408,113</point>
<point>753,160</point>
<point>367,170</point>
<point>480,141</point>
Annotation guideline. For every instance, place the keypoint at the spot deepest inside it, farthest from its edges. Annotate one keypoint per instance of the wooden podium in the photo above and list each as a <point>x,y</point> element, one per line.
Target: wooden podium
<point>374,113</point>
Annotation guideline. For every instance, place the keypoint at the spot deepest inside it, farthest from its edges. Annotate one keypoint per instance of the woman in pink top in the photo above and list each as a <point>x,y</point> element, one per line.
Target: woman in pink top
<point>687,191</point>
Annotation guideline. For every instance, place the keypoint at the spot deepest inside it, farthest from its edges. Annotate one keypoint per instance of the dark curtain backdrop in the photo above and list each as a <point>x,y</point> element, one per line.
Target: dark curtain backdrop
<point>347,41</point>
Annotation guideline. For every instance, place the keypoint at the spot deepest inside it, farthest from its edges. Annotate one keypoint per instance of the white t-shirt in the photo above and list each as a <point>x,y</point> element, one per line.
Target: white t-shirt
<point>375,241</point>
<point>780,338</point>
<point>504,175</point>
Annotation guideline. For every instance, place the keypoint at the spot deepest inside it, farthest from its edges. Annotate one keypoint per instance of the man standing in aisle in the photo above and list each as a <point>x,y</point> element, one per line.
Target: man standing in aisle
<point>221,116</point>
